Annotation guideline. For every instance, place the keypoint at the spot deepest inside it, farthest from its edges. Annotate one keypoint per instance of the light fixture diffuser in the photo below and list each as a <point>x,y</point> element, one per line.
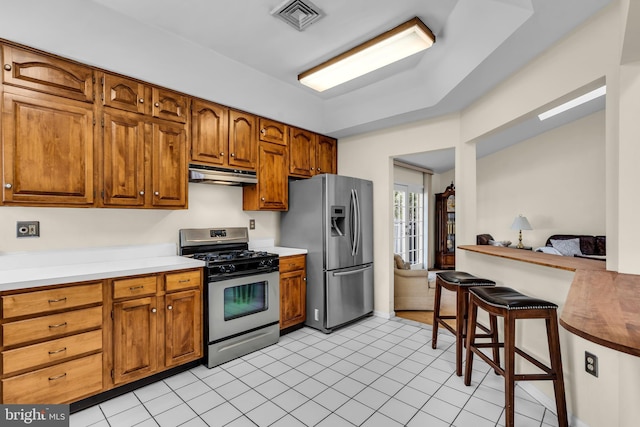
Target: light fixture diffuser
<point>404,40</point>
<point>573,103</point>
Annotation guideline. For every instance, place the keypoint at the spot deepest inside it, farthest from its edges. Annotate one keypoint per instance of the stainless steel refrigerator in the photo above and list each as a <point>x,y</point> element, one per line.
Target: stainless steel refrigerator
<point>332,217</point>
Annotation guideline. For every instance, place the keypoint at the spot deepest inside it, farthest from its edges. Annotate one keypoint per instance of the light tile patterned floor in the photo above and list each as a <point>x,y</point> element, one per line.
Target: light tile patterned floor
<point>375,372</point>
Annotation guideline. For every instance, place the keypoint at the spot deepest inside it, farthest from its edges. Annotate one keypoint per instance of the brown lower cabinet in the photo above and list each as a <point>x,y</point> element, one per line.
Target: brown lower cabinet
<point>157,323</point>
<point>64,343</point>
<point>293,291</point>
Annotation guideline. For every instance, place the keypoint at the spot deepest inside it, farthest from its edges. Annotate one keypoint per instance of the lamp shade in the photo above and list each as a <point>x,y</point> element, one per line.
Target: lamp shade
<point>521,223</point>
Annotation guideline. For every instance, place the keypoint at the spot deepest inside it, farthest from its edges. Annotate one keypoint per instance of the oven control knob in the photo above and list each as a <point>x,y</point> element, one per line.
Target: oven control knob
<point>228,268</point>
<point>266,262</point>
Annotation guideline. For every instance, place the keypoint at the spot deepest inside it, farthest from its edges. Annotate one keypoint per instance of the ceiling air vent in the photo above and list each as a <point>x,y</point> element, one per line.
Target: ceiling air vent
<point>297,13</point>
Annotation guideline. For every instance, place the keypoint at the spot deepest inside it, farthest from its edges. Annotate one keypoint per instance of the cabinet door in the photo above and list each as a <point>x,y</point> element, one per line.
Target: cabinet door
<point>293,295</point>
<point>275,132</point>
<point>124,94</point>
<point>46,74</point>
<point>169,165</point>
<point>135,353</point>
<point>302,153</point>
<point>209,132</point>
<point>170,105</point>
<point>123,159</point>
<point>243,144</point>
<point>47,145</point>
<point>183,327</point>
<point>272,177</point>
<point>326,155</point>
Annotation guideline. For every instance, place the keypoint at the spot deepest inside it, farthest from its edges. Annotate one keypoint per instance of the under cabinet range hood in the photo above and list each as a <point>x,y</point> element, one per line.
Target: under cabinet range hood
<point>221,176</point>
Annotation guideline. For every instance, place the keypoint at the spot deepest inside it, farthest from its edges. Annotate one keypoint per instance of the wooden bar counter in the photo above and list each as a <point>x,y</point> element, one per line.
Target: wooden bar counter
<point>601,306</point>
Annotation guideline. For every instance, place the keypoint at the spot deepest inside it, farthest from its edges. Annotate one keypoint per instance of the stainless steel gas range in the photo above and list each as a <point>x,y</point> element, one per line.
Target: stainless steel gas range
<point>242,292</point>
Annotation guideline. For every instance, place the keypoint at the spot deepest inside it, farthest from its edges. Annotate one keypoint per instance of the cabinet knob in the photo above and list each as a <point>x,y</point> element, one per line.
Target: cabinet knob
<point>157,193</point>
<point>318,169</point>
<point>262,198</point>
<point>141,100</point>
<point>142,193</point>
<point>263,131</point>
<point>153,310</point>
<point>170,307</point>
<point>157,104</point>
<point>311,169</point>
<point>232,155</point>
<point>7,67</point>
<point>222,154</point>
<point>8,185</point>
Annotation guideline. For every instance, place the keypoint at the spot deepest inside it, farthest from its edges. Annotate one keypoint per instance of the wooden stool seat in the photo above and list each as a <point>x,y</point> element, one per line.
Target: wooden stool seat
<point>458,282</point>
<point>512,305</point>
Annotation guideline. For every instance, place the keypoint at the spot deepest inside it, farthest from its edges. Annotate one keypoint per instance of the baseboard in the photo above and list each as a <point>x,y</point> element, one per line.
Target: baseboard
<point>384,315</point>
<point>549,403</point>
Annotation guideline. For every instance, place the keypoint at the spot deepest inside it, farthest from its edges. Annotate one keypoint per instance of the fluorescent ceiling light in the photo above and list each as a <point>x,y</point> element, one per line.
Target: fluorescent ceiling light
<point>396,44</point>
<point>573,103</point>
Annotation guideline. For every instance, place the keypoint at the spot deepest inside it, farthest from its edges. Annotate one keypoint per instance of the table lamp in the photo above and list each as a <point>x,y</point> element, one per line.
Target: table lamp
<point>520,223</point>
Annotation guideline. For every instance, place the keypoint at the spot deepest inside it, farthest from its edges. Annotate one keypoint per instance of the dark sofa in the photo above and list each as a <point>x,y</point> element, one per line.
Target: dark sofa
<point>590,246</point>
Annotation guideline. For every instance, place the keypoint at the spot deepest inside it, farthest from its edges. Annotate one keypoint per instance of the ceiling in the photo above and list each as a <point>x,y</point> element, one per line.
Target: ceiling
<point>478,44</point>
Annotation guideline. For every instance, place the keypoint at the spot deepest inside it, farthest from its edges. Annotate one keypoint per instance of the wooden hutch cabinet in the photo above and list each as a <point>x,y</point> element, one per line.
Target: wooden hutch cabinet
<point>445,233</point>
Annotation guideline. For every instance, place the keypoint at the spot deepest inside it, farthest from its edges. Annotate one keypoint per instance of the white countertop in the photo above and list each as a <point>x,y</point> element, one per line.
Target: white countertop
<point>268,245</point>
<point>17,270</point>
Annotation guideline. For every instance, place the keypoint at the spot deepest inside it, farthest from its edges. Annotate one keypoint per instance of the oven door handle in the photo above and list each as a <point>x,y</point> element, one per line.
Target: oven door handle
<point>350,272</point>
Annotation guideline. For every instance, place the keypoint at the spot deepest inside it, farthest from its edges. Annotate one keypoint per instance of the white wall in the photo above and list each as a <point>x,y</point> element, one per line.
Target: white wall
<point>587,56</point>
<point>556,180</point>
<point>209,206</point>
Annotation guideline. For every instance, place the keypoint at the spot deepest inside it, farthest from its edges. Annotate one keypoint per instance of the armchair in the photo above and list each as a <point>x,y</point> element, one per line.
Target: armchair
<point>412,289</point>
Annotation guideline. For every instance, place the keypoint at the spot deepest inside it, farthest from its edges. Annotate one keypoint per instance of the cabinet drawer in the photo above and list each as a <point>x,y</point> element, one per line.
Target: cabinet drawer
<point>61,383</point>
<point>50,300</point>
<point>292,263</point>
<point>51,326</point>
<point>183,280</point>
<point>51,351</point>
<point>135,287</point>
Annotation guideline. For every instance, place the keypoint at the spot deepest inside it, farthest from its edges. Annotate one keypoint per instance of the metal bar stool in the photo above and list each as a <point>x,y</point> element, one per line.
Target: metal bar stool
<point>458,282</point>
<point>512,305</point>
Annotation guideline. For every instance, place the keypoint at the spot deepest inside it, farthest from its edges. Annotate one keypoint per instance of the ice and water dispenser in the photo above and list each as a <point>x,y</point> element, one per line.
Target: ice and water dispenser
<point>337,220</point>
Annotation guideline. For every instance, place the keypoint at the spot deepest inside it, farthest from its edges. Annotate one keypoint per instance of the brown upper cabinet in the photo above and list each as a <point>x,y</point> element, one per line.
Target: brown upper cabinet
<point>144,146</point>
<point>222,137</point>
<point>74,135</point>
<point>311,154</point>
<point>271,193</point>
<point>275,132</point>
<point>45,74</point>
<point>326,155</point>
<point>47,130</point>
<point>302,153</point>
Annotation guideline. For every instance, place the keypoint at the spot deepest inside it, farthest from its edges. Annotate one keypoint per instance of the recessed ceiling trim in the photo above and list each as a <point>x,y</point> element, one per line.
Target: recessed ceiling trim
<point>297,13</point>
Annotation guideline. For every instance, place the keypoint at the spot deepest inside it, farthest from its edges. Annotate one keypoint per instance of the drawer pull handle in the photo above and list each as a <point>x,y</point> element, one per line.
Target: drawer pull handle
<point>59,325</point>
<point>58,351</point>
<point>184,281</point>
<point>58,377</point>
<point>57,300</point>
<point>134,288</point>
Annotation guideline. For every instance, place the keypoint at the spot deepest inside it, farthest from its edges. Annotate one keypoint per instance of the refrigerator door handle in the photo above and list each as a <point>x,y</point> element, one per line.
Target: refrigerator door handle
<point>350,272</point>
<point>355,223</point>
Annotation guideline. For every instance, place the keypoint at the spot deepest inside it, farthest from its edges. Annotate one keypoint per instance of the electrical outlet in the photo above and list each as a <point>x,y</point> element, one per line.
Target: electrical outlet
<point>591,363</point>
<point>252,224</point>
<point>28,229</point>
